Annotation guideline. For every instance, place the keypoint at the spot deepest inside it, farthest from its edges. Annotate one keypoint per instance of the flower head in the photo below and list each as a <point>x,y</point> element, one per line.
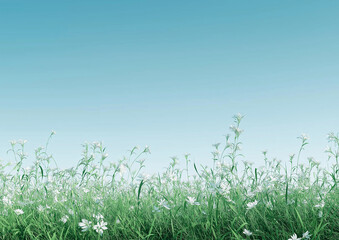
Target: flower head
<point>100,227</point>
<point>64,219</point>
<point>320,214</point>
<point>163,203</point>
<point>251,205</point>
<point>307,235</point>
<point>294,237</point>
<point>98,217</point>
<point>247,232</point>
<point>40,208</point>
<point>18,211</point>
<point>6,201</point>
<point>191,200</point>
<point>85,225</point>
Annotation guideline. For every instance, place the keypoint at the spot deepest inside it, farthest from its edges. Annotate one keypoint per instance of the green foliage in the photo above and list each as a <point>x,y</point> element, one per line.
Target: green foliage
<point>115,200</point>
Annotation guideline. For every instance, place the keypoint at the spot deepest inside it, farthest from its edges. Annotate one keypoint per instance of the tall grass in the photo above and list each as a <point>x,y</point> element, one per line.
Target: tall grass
<point>97,199</point>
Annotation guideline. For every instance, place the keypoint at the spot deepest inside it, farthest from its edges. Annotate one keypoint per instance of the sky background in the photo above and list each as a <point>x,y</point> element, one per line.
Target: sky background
<point>168,74</point>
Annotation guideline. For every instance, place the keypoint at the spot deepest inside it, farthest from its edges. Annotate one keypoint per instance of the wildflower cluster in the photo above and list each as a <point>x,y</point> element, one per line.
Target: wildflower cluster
<point>101,198</point>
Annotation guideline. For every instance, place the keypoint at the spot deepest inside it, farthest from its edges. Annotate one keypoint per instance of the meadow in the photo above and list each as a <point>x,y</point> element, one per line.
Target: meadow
<point>232,199</point>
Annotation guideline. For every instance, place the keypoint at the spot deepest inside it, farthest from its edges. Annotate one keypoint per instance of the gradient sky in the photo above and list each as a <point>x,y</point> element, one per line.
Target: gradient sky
<point>168,74</point>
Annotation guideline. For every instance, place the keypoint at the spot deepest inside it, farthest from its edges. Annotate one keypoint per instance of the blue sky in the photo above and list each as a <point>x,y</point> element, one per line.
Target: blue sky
<point>168,74</point>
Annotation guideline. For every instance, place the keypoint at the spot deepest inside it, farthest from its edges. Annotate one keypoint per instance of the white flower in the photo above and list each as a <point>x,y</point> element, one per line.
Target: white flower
<point>307,235</point>
<point>18,211</point>
<point>100,227</point>
<point>5,212</point>
<point>22,142</point>
<point>144,176</point>
<point>147,150</point>
<point>163,203</point>
<point>98,217</point>
<point>70,211</point>
<point>269,205</point>
<point>85,225</point>
<point>172,176</point>
<point>122,169</point>
<point>40,208</point>
<point>50,179</point>
<point>191,200</point>
<point>304,137</point>
<point>98,200</point>
<point>320,215</point>
<point>294,237</point>
<point>247,232</point>
<point>251,205</point>
<point>320,205</point>
<point>155,209</point>
<point>6,201</point>
<point>117,221</point>
<point>64,219</point>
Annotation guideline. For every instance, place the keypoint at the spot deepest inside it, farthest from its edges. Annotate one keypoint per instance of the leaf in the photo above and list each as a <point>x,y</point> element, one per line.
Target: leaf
<point>139,190</point>
<point>195,167</point>
<point>42,171</point>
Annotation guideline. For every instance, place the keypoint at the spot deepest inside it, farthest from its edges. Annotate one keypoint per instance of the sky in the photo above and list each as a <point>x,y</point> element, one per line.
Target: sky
<point>170,75</point>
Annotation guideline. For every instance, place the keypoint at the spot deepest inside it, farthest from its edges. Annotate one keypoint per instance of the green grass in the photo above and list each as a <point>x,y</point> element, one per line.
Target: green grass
<point>233,197</point>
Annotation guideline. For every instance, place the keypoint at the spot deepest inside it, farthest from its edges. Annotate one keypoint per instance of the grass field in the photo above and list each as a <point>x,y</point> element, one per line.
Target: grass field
<point>234,199</point>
